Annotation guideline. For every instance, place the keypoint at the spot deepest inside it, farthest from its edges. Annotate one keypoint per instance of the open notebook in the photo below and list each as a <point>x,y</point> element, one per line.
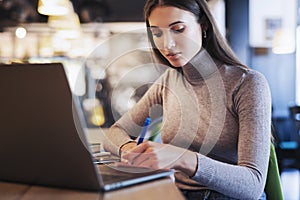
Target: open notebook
<point>42,141</point>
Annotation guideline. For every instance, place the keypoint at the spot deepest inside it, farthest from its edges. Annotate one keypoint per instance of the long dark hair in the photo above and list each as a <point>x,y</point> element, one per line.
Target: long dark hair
<point>215,44</point>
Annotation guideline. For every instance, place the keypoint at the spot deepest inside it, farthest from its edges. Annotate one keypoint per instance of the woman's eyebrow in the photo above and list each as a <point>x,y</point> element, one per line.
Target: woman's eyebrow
<point>177,22</point>
<point>173,23</point>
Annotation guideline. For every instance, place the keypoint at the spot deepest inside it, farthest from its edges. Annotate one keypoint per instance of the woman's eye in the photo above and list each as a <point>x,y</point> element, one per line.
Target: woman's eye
<point>157,33</point>
<point>178,30</point>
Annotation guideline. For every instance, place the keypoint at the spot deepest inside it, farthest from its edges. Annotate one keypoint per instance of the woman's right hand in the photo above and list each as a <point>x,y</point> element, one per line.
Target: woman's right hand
<point>161,156</point>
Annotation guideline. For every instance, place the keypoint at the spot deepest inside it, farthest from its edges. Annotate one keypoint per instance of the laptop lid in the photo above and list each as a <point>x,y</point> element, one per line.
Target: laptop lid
<point>42,140</point>
<point>39,142</point>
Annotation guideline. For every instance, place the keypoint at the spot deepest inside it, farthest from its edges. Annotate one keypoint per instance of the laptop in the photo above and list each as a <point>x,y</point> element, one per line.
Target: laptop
<point>42,138</point>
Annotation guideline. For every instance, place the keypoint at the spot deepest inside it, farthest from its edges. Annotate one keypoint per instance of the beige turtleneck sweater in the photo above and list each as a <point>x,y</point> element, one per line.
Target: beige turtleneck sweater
<point>221,112</point>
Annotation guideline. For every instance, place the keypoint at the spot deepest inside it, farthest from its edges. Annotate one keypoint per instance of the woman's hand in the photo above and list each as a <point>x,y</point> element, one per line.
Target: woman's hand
<point>158,156</point>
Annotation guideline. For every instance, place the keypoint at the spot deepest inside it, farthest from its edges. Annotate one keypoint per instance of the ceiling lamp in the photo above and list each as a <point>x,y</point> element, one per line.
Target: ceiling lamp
<point>53,7</point>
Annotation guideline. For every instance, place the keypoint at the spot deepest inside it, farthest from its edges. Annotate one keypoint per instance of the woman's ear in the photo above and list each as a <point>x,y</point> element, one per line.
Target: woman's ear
<point>204,26</point>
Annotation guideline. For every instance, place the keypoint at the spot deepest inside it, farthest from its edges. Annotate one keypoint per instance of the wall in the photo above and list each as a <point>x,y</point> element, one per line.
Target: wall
<point>278,69</point>
<point>237,28</point>
<point>280,72</point>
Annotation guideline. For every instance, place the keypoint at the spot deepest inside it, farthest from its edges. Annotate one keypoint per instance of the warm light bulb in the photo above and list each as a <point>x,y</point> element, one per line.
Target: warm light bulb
<point>98,118</point>
<point>21,32</point>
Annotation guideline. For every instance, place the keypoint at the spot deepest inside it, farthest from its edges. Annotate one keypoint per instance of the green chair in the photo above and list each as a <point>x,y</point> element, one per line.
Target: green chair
<point>273,187</point>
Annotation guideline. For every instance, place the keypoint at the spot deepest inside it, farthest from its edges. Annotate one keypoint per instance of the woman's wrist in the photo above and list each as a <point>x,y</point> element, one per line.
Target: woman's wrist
<point>127,146</point>
<point>188,163</point>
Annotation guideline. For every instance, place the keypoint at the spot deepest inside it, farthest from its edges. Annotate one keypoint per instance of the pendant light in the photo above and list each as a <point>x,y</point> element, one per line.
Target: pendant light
<point>53,7</point>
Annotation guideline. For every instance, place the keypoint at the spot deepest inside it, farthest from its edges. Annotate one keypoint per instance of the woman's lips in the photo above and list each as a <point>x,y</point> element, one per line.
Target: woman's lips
<point>173,56</point>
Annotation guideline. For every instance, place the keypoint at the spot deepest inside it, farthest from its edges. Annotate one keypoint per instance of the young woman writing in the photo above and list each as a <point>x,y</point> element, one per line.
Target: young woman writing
<point>216,111</point>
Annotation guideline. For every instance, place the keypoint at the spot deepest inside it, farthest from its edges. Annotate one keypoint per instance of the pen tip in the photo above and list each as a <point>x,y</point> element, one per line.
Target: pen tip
<point>147,121</point>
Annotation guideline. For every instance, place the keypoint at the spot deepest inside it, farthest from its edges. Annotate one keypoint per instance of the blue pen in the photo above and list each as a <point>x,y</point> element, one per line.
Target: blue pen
<point>144,130</point>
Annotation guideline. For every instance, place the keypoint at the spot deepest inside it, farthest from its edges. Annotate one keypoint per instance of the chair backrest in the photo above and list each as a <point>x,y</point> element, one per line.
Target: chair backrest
<point>154,130</point>
<point>273,187</point>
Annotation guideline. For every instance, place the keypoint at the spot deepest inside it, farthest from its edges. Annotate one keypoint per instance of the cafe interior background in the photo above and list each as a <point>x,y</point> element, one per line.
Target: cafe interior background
<point>104,49</point>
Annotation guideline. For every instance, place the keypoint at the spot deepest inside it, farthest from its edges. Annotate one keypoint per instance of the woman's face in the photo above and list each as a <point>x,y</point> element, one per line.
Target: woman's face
<point>176,33</point>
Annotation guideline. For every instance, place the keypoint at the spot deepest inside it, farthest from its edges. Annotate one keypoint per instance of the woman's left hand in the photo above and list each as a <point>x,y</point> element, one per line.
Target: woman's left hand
<point>161,156</point>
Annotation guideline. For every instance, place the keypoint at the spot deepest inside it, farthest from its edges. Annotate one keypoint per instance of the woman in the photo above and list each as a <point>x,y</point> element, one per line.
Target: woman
<point>216,111</point>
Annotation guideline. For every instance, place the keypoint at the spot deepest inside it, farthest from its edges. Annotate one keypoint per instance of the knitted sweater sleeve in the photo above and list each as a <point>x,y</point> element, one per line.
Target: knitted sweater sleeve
<point>128,127</point>
<point>246,180</point>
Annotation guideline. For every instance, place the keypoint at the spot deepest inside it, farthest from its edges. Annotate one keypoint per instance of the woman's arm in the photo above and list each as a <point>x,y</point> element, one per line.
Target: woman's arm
<point>246,180</point>
<point>121,135</point>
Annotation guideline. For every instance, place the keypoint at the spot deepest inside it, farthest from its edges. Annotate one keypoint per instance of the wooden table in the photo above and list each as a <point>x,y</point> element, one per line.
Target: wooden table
<point>155,190</point>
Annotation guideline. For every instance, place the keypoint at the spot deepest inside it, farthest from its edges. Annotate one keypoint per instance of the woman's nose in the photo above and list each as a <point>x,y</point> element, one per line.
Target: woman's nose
<point>169,41</point>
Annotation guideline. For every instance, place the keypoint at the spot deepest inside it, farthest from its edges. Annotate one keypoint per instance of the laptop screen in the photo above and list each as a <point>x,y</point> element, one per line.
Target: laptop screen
<point>39,141</point>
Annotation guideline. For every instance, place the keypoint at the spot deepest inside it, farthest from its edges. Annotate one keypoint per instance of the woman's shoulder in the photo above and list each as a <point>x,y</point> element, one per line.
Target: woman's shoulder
<point>241,73</point>
<point>237,76</point>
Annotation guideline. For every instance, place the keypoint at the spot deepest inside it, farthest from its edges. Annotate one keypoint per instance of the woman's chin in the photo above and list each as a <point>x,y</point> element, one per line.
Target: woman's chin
<point>178,63</point>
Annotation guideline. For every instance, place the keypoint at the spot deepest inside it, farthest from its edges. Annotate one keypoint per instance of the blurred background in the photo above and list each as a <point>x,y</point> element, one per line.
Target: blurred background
<point>103,46</point>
